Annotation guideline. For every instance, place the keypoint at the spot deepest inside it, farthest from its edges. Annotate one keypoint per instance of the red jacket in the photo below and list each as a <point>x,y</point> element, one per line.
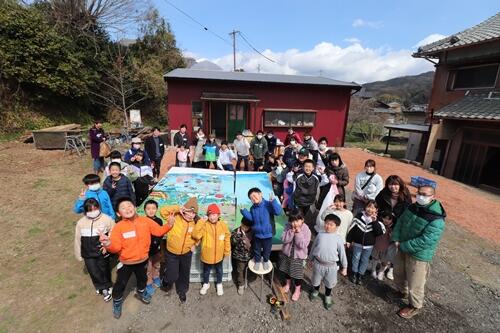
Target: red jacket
<point>132,238</point>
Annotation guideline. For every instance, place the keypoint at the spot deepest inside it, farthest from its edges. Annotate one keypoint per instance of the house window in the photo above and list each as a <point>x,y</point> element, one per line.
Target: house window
<point>197,115</point>
<point>474,77</point>
<point>289,118</point>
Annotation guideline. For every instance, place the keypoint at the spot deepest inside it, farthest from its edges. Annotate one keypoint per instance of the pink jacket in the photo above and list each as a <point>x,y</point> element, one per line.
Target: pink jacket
<point>300,239</point>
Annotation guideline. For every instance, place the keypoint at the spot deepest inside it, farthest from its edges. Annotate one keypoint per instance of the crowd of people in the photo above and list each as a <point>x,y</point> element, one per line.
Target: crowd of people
<point>385,232</point>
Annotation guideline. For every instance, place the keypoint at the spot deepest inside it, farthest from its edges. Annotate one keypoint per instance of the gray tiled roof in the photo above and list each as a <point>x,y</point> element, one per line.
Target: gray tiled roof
<point>480,106</point>
<point>183,73</point>
<point>483,32</point>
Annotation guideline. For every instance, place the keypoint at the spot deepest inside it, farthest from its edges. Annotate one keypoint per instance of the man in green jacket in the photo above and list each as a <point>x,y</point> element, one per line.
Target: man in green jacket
<point>416,235</point>
<point>258,149</point>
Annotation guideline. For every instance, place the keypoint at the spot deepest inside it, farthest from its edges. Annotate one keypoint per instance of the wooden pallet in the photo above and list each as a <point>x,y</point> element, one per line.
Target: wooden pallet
<point>282,297</point>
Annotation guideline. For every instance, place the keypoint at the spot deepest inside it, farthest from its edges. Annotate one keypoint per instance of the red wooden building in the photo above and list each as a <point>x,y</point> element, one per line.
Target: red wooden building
<point>227,102</point>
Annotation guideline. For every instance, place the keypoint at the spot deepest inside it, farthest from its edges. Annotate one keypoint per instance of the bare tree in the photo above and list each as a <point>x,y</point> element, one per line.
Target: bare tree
<point>119,89</point>
<point>87,14</point>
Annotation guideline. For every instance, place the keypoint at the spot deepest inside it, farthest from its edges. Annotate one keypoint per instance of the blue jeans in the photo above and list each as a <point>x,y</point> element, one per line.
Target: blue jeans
<point>262,245</point>
<point>228,167</point>
<point>360,259</point>
<point>245,162</point>
<point>218,272</point>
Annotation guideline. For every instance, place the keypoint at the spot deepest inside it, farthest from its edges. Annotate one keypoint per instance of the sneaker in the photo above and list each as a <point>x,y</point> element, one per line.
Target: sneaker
<point>314,295</point>
<point>267,265</point>
<point>390,274</point>
<point>143,296</point>
<point>359,278</point>
<point>204,289</point>
<point>166,288</point>
<point>241,290</point>
<point>182,297</point>
<point>257,266</point>
<point>157,282</point>
<point>328,302</point>
<point>374,274</point>
<point>408,312</point>
<point>353,277</point>
<point>150,289</point>
<point>107,295</point>
<point>117,308</point>
<point>220,290</point>
<point>97,292</point>
<point>380,276</point>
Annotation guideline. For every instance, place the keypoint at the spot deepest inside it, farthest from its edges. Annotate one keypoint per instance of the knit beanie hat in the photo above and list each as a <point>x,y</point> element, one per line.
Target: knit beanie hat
<point>192,203</point>
<point>213,209</point>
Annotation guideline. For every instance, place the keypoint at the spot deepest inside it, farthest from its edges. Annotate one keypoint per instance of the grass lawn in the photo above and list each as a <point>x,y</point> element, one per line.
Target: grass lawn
<point>396,150</point>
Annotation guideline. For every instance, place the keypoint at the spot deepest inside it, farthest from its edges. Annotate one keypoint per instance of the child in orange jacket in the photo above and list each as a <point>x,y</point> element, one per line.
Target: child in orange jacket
<point>131,239</point>
<point>215,245</point>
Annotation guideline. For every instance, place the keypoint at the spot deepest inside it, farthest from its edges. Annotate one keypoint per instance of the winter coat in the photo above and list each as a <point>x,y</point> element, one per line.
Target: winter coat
<point>290,157</point>
<point>261,215</point>
<point>180,139</point>
<point>215,240</point>
<point>126,170</point>
<point>154,248</point>
<point>211,151</point>
<point>258,148</point>
<point>383,200</point>
<point>300,240</point>
<point>419,230</point>
<point>363,231</point>
<point>198,150</point>
<point>310,144</point>
<point>132,238</point>
<point>371,190</point>
<point>131,153</point>
<point>96,136</point>
<point>87,244</point>
<point>241,244</point>
<point>102,198</point>
<point>306,188</point>
<point>271,144</point>
<point>150,147</point>
<point>123,188</point>
<point>342,174</point>
<point>179,240</point>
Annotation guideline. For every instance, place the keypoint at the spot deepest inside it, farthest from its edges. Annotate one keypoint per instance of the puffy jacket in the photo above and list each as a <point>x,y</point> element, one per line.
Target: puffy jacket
<point>132,238</point>
<point>261,215</point>
<point>299,240</point>
<point>258,148</point>
<point>87,244</point>
<point>363,231</point>
<point>241,244</point>
<point>123,188</point>
<point>102,198</point>
<point>419,230</point>
<point>215,240</point>
<point>179,240</point>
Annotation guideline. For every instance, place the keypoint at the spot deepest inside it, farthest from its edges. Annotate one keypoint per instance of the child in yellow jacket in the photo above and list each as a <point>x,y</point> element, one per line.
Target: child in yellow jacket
<point>180,246</point>
<point>215,245</point>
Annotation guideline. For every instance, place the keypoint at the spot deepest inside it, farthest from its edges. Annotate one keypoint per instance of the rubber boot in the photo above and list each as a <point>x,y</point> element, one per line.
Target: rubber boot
<point>117,308</point>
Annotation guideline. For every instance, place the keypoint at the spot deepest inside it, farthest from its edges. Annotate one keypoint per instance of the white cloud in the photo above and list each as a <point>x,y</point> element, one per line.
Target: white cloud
<point>353,40</point>
<point>430,39</point>
<point>351,63</point>
<point>360,23</point>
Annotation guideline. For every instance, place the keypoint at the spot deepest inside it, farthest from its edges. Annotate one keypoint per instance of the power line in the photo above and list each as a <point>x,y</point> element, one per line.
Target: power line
<point>253,48</point>
<point>199,23</point>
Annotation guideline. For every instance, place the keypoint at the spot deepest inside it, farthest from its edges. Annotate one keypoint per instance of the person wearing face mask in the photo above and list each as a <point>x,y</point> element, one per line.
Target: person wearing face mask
<point>136,146</point>
<point>271,142</point>
<point>292,135</point>
<point>416,235</point>
<point>311,145</point>
<point>368,185</point>
<point>89,249</point>
<point>258,149</point>
<point>323,153</point>
<point>93,189</point>
<point>290,153</point>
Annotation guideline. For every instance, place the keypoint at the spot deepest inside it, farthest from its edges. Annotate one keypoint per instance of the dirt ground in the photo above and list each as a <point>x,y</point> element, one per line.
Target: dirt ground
<point>43,288</point>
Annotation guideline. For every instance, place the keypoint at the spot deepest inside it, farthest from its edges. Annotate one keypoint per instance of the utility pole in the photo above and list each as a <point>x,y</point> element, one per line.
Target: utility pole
<point>233,34</point>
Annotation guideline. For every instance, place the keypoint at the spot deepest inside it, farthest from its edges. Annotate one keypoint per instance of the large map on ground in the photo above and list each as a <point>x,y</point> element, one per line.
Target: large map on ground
<point>224,188</point>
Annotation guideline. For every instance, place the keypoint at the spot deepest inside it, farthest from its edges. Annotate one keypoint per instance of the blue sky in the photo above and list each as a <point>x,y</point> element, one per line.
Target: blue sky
<point>355,41</point>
